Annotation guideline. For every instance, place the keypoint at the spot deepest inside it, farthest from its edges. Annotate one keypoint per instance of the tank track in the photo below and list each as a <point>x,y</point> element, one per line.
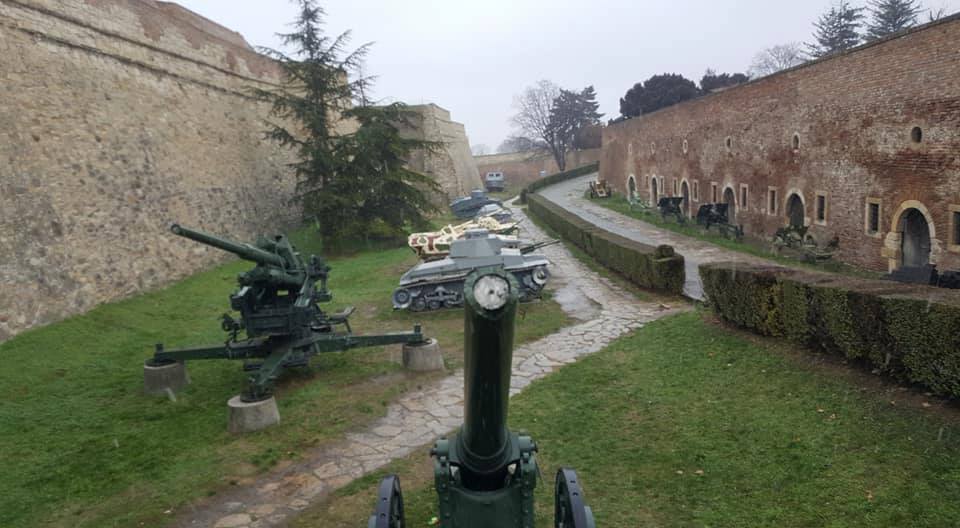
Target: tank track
<point>435,295</point>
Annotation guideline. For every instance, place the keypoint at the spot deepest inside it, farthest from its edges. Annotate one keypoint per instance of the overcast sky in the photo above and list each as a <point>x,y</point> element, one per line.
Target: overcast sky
<point>473,57</point>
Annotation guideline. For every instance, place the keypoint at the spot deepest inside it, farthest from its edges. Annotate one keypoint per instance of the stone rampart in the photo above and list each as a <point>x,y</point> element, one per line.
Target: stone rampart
<point>521,168</point>
<point>118,117</point>
<point>451,164</point>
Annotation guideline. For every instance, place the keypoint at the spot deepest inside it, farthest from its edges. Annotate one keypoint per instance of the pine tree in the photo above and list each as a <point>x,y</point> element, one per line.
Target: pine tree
<point>837,29</point>
<point>338,175</point>
<point>891,16</point>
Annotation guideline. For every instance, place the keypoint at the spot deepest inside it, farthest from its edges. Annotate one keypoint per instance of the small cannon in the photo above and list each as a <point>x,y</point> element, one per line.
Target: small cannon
<point>672,206</point>
<point>717,214</point>
<point>600,189</point>
<point>278,301</point>
<point>485,474</point>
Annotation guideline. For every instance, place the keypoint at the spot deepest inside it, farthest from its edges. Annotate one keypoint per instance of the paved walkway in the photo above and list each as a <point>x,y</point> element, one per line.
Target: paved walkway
<point>417,419</point>
<point>569,195</point>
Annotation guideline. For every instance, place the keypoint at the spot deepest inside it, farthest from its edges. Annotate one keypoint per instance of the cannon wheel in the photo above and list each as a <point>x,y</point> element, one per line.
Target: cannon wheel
<point>569,509</point>
<point>389,510</point>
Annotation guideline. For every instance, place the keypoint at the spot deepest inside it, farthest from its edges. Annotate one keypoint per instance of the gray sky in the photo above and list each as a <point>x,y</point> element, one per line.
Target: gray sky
<point>473,57</point>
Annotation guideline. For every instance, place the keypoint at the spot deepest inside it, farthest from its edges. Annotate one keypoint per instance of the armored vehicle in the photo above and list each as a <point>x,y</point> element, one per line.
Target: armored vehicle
<point>467,206</point>
<point>439,284</point>
<point>497,212</point>
<point>433,245</point>
<point>494,182</point>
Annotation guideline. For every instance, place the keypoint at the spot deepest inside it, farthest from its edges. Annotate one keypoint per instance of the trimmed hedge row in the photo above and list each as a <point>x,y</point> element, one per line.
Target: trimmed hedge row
<point>557,178</point>
<point>656,268</point>
<point>909,332</point>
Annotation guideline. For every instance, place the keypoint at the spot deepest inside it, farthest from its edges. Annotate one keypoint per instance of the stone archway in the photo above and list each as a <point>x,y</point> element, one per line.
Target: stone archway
<point>685,193</point>
<point>795,210</point>
<point>632,188</point>
<point>730,198</point>
<point>653,192</point>
<point>915,240</point>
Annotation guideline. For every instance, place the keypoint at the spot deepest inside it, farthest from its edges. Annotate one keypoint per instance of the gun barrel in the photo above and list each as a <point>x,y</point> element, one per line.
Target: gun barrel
<point>490,311</point>
<point>244,251</point>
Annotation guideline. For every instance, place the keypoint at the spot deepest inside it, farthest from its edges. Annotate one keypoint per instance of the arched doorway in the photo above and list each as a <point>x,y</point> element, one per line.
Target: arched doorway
<point>730,199</point>
<point>685,193</point>
<point>653,192</point>
<point>795,212</point>
<point>915,239</point>
<point>631,188</point>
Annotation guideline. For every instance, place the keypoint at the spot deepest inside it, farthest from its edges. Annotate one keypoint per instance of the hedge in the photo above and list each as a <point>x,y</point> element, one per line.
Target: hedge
<point>655,268</point>
<point>557,178</point>
<point>908,332</point>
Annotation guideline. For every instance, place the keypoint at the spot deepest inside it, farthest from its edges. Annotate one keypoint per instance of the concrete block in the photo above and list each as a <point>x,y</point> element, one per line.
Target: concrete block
<point>423,357</point>
<point>246,417</point>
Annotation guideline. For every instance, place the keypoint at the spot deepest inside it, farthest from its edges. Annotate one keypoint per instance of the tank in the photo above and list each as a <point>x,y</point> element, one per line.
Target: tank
<point>433,245</point>
<point>439,283</point>
<point>497,212</point>
<point>467,206</point>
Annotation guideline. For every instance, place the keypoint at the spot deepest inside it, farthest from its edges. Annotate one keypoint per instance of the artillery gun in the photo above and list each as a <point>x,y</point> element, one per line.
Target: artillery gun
<point>278,301</point>
<point>485,474</point>
<point>439,284</point>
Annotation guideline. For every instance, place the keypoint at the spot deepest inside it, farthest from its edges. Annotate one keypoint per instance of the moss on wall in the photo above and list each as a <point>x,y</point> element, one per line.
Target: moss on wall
<point>655,268</point>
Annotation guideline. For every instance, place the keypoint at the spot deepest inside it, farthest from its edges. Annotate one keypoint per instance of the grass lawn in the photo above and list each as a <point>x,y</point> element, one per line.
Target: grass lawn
<point>82,447</point>
<point>687,423</point>
<point>750,246</point>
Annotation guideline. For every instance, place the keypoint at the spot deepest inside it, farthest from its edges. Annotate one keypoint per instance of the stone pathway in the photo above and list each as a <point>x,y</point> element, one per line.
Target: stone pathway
<point>418,418</point>
<point>569,195</point>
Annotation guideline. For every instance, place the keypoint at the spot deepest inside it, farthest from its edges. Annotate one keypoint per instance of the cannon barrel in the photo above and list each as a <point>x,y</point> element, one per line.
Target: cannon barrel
<point>490,310</point>
<point>244,251</point>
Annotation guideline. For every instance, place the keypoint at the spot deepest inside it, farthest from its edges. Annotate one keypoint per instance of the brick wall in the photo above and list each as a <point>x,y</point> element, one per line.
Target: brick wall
<point>524,167</point>
<point>851,118</point>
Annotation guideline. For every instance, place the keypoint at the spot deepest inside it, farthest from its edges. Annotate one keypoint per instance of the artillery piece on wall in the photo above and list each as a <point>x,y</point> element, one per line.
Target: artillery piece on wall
<point>485,474</point>
<point>278,301</point>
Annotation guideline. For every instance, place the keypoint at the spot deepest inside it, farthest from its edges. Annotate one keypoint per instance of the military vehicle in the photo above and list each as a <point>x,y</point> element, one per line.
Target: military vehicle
<point>485,474</point>
<point>278,301</point>
<point>434,245</point>
<point>467,206</point>
<point>497,212</point>
<point>439,283</point>
<point>494,182</point>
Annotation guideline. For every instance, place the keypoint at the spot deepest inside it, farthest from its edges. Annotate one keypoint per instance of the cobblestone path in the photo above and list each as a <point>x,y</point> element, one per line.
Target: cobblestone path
<point>418,418</point>
<point>569,195</point>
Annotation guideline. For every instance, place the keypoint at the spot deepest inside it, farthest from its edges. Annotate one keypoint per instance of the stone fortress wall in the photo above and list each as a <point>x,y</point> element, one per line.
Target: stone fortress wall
<point>118,117</point>
<point>452,164</point>
<point>525,167</point>
<point>863,146</point>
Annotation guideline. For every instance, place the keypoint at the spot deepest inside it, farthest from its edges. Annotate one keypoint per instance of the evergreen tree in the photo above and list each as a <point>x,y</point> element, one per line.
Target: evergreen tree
<point>336,174</point>
<point>837,29</point>
<point>659,91</point>
<point>890,16</point>
<point>711,80</point>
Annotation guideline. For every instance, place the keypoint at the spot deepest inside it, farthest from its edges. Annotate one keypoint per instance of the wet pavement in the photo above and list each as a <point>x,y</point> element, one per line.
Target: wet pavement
<point>570,196</point>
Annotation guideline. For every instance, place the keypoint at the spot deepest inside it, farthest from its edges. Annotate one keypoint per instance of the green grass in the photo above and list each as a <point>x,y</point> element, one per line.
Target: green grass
<point>82,447</point>
<point>748,246</point>
<point>684,423</point>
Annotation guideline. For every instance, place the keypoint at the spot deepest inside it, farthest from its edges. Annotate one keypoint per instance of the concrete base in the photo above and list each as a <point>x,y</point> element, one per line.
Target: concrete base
<point>247,417</point>
<point>423,357</point>
<point>157,380</point>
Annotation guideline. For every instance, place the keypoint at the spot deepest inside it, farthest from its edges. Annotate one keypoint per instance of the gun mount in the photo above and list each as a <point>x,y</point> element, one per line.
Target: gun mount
<point>278,301</point>
<point>485,474</point>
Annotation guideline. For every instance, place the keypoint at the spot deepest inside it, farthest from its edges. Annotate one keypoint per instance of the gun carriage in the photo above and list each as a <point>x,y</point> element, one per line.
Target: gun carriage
<point>278,301</point>
<point>717,214</point>
<point>672,206</point>
<point>485,474</point>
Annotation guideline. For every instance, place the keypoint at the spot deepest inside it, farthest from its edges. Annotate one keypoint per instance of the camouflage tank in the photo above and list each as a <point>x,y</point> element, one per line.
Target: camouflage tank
<point>439,283</point>
<point>434,245</point>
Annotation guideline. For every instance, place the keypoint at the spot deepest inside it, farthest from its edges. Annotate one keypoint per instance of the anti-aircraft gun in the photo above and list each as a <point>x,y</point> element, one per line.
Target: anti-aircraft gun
<point>485,474</point>
<point>278,301</point>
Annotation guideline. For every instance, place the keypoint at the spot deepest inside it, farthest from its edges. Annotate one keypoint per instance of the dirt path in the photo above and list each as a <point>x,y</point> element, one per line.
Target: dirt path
<point>603,311</point>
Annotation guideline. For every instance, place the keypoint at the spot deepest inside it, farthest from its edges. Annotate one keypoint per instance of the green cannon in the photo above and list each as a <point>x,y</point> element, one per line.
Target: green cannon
<point>485,474</point>
<point>278,301</point>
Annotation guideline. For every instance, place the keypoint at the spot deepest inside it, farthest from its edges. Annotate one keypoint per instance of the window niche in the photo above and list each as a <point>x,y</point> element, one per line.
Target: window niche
<point>872,217</point>
<point>772,202</point>
<point>820,207</point>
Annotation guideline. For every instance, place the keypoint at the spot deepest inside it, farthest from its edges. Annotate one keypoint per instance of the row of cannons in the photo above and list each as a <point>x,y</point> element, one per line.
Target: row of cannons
<point>484,474</point>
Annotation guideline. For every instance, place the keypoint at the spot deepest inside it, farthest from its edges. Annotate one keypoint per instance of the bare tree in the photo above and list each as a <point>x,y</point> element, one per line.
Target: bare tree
<point>936,13</point>
<point>520,144</point>
<point>533,118</point>
<point>777,58</point>
<point>479,150</point>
